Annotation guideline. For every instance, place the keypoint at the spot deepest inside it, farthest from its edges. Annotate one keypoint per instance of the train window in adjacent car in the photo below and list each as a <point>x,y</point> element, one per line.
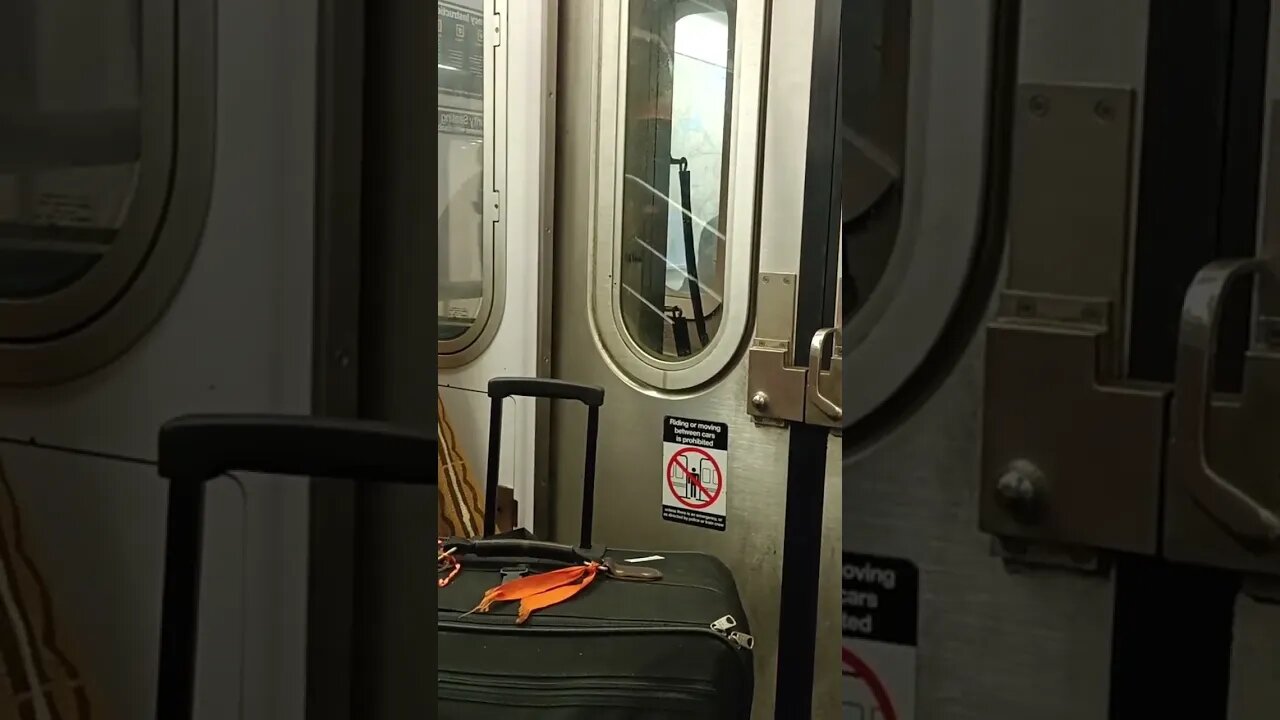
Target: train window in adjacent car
<point>105,178</point>
<point>874,51</point>
<point>677,120</point>
<point>466,241</point>
<point>70,137</point>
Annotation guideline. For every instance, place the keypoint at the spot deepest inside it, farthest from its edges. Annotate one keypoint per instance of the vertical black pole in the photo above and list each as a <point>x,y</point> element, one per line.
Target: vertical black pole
<point>589,476</point>
<point>491,474</point>
<point>180,611</point>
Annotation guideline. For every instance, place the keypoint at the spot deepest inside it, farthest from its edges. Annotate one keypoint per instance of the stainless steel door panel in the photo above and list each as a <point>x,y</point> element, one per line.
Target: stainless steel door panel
<point>628,498</point>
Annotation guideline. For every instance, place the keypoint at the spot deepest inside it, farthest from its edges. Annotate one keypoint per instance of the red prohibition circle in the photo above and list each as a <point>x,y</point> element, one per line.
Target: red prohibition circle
<point>859,667</point>
<point>712,497</point>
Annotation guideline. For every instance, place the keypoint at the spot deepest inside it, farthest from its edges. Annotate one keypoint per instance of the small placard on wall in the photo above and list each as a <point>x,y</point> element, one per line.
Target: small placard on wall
<point>695,462</point>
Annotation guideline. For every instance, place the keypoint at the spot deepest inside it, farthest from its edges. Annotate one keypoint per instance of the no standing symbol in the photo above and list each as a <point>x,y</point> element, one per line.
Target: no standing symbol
<point>695,478</point>
<point>695,461</point>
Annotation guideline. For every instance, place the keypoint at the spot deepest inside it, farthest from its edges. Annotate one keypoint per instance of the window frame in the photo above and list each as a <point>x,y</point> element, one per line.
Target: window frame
<point>94,320</point>
<point>937,285</point>
<point>627,358</point>
<point>466,347</point>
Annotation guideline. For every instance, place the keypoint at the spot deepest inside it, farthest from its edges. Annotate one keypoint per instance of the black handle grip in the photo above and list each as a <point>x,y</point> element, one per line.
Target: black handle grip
<point>198,448</point>
<point>505,387</point>
<point>531,549</point>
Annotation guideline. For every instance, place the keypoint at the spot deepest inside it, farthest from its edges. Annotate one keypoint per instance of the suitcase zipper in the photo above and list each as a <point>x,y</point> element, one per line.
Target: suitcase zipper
<point>740,640</point>
<point>720,628</point>
<point>620,691</point>
<point>742,643</point>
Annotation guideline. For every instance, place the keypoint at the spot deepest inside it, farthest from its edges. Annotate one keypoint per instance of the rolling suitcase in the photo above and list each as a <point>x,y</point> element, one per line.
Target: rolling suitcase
<point>196,449</point>
<point>653,635</point>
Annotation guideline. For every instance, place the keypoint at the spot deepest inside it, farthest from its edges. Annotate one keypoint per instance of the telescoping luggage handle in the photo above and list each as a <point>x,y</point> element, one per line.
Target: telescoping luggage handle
<point>198,448</point>
<point>505,387</point>
<point>195,449</point>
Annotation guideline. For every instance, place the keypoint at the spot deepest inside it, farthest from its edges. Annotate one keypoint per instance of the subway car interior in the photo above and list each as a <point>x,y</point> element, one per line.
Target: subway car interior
<point>1035,230</point>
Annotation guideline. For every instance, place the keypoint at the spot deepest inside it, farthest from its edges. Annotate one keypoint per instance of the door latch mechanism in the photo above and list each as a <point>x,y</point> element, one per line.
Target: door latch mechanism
<point>778,391</point>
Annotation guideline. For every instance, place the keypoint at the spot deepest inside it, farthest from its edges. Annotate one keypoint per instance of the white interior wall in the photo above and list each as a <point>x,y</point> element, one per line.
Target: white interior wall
<point>514,350</point>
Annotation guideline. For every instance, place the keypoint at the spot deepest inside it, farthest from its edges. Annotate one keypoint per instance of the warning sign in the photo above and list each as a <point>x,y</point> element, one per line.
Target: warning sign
<point>879,611</point>
<point>695,461</point>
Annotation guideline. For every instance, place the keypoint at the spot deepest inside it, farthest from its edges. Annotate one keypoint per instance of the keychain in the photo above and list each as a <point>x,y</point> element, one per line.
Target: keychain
<point>446,562</point>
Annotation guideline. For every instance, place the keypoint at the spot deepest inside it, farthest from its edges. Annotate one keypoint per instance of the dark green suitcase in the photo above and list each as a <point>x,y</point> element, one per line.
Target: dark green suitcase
<point>626,647</point>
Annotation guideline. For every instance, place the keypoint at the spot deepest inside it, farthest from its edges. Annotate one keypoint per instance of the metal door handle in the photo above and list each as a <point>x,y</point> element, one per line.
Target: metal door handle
<point>1188,462</point>
<point>816,347</point>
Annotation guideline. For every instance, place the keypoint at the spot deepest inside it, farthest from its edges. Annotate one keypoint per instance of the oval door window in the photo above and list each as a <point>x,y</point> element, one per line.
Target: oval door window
<point>680,111</point>
<point>462,258</point>
<point>90,161</point>
<point>70,138</point>
<point>917,244</point>
<point>676,141</point>
<point>471,172</point>
<point>875,52</point>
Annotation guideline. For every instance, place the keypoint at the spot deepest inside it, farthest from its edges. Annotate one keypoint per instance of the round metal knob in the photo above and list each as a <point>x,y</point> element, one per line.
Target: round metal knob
<point>1022,489</point>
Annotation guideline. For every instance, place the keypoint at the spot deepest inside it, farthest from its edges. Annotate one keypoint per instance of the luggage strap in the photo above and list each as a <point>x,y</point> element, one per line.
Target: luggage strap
<point>543,590</point>
<point>510,574</point>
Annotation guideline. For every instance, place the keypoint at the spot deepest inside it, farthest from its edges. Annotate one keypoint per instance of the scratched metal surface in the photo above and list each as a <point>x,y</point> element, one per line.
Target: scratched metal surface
<point>993,645</point>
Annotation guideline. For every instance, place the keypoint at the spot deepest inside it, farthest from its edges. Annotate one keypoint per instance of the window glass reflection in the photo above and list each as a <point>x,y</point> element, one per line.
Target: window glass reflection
<point>70,137</point>
<point>460,130</point>
<point>874,58</point>
<point>677,110</point>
